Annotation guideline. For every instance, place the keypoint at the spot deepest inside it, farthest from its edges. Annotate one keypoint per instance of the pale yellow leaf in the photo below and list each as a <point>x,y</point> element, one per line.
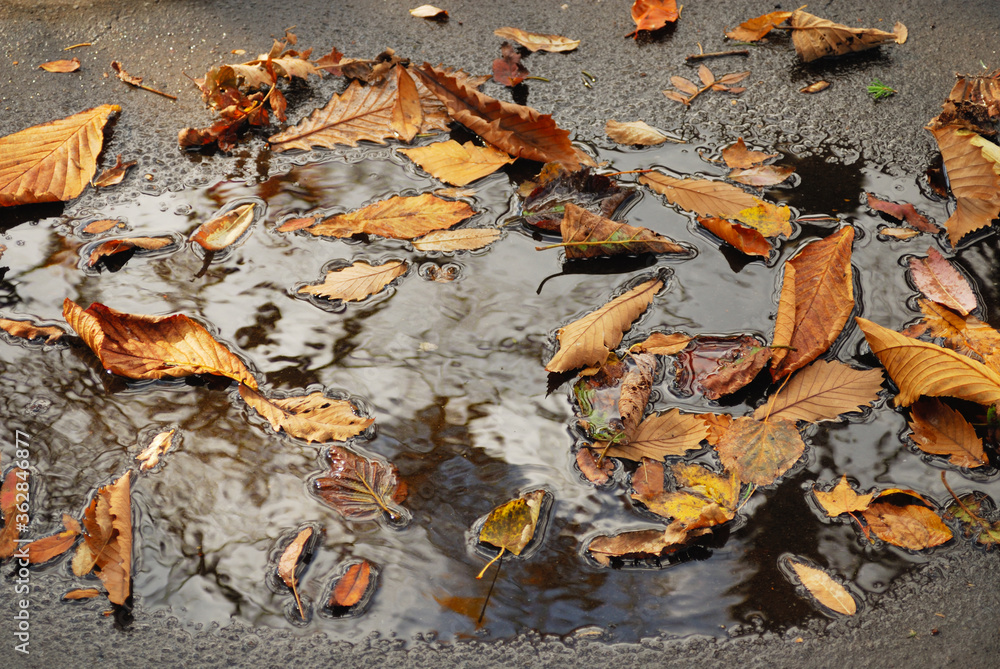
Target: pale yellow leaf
<point>357,281</point>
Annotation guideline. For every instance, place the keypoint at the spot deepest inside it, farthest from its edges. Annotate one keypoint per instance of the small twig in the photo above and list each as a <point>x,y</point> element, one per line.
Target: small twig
<point>76,46</point>
<point>717,54</point>
<point>860,525</point>
<point>537,78</point>
<point>136,81</point>
<point>615,174</point>
<point>750,491</point>
<point>589,75</point>
<point>982,523</point>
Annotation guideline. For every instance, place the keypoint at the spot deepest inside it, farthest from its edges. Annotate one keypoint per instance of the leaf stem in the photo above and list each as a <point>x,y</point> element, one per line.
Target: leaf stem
<point>499,555</point>
<point>982,522</point>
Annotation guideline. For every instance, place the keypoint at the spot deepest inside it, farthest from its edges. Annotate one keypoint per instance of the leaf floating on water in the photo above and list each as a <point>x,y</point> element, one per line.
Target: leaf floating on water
<point>354,586</point>
<point>716,366</point>
<point>903,212</point>
<point>910,526</point>
<point>636,133</point>
<point>662,343</point>
<point>114,174</point>
<point>289,562</point>
<point>739,156</point>
<point>703,499</point>
<point>152,347</point>
<point>313,417</point>
<point>743,239</point>
<point>968,336</point>
<point>457,164</point>
<point>973,167</point>
<point>823,391</point>
<point>113,247</point>
<point>537,41</point>
<point>28,330</point>
<point>598,473</point>
<point>52,162</point>
<point>977,513</point>
<point>827,591</point>
<point>756,28</point>
<point>636,386</point>
<point>225,229</point>
<point>8,507</point>
<point>463,239</point>
<point>358,281</point>
<point>81,593</point>
<point>511,526</point>
<point>842,499</point>
<point>587,235</point>
<point>107,544</point>
<point>702,196</point>
<point>940,430</point>
<point>361,489</point>
<point>814,37</point>
<point>938,279</point>
<point>758,452</point>
<point>150,456</point>
<point>639,544</point>
<point>399,217</point>
<point>761,175</point>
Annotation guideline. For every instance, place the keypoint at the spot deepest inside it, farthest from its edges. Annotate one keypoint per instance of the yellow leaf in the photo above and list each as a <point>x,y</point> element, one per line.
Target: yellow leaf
<point>768,219</point>
<point>842,499</point>
<point>463,239</point>
<point>662,343</point>
<point>911,526</point>
<point>225,229</point>
<point>399,217</point>
<point>457,164</point>
<point>827,591</point>
<point>969,336</point>
<point>708,198</point>
<point>313,417</point>
<point>357,281</point>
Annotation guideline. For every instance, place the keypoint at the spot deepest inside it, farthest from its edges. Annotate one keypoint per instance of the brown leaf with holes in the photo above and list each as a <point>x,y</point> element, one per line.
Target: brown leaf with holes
<point>588,340</point>
<point>54,161</point>
<point>518,130</point>
<point>940,430</point>
<point>113,247</point>
<point>660,435</point>
<point>289,562</point>
<point>357,281</point>
<point>653,15</point>
<point>28,330</point>
<point>313,417</point>
<point>756,28</point>
<point>903,212</point>
<point>760,452</point>
<point>225,229</point>
<point>360,488</point>
<point>814,37</point>
<point>920,368</point>
<point>61,66</point>
<point>910,526</point>
<point>969,336</point>
<point>399,217</point>
<point>537,41</point>
<point>827,591</point>
<point>823,391</point>
<point>662,343</point>
<point>149,457</point>
<point>821,290</point>
<point>938,279</point>
<point>14,493</point>
<point>842,499</point>
<point>457,164</point>
<point>508,69</point>
<point>352,586</point>
<point>152,347</point>
<point>463,239</point>
<point>702,196</point>
<point>114,174</point>
<point>738,156</point>
<point>636,133</point>
<point>107,543</point>
<point>588,235</point>
<point>743,239</point>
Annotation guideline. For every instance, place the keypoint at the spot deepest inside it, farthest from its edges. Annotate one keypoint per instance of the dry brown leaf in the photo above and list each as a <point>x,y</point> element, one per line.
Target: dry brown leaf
<point>313,417</point>
<point>761,175</point>
<point>81,593</point>
<point>293,224</point>
<point>969,336</point>
<point>588,340</point>
<point>518,130</point>
<point>361,489</point>
<point>660,435</point>
<point>28,330</point>
<point>152,347</point>
<point>71,65</point>
<point>597,472</point>
<point>225,229</point>
<point>662,343</point>
<point>823,298</point>
<point>760,452</point>
<point>919,368</point>
<point>938,279</point>
<point>588,235</point>
<point>970,215</point>
<point>13,494</point>
<point>107,544</point>
<point>508,70</point>
<point>827,591</point>
<point>902,234</point>
<point>352,587</point>
<point>399,217</point>
<point>743,239</point>
<point>756,28</point>
<point>457,164</point>
<point>823,391</point>
<point>940,430</point>
<point>842,499</point>
<point>733,373</point>
<point>54,161</point>
<point>718,424</point>
<point>903,212</point>
<point>463,239</point>
<point>150,456</point>
<point>114,174</point>
<point>358,281</point>
<point>973,103</point>
<point>115,246</point>
<point>289,561</point>
<point>537,41</point>
<point>631,545</point>
<point>704,197</point>
<point>973,167</point>
<point>911,526</point>
<point>101,225</point>
<point>653,14</point>
<point>814,37</point>
<point>738,156</point>
<point>636,133</point>
<point>636,386</point>
<point>815,87</point>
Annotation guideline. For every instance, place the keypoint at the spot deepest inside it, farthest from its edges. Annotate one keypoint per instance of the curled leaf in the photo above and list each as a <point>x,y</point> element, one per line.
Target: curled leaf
<point>537,41</point>
<point>107,544</point>
<point>313,417</point>
<point>225,229</point>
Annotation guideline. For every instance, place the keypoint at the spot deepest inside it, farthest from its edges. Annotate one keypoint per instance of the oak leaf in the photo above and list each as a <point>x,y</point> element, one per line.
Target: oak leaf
<point>518,130</point>
<point>903,212</point>
<point>940,430</point>
<point>289,561</point>
<point>463,239</point>
<point>822,294</point>
<point>457,164</point>
<point>313,417</point>
<point>588,340</point>
<point>152,347</point>
<point>113,247</point>
<point>635,133</point>
<point>511,526</point>
<point>587,235</point>
<point>702,196</point>
<point>653,15</point>
<point>107,543</point>
<point>739,156</point>
<point>743,239</point>
<point>354,586</point>
<point>760,452</point>
<point>28,330</point>
<point>910,526</point>
<point>537,41</point>
<point>662,343</point>
<point>814,37</point>
<point>62,66</point>
<point>13,503</point>
<point>756,28</point>
<point>361,489</point>
<point>399,217</point>
<point>827,591</point>
<point>54,161</point>
<point>938,279</point>
<point>150,456</point>
<point>823,391</point>
<point>508,70</point>
<point>920,368</point>
<point>969,336</point>
<point>225,229</point>
<point>842,499</point>
<point>114,174</point>
<point>358,281</point>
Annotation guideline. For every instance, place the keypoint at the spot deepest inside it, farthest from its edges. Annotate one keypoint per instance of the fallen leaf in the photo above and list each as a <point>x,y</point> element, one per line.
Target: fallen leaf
<point>653,15</point>
<point>827,591</point>
<point>546,197</point>
<point>428,12</point>
<point>225,229</point>
<point>150,456</point>
<point>631,545</point>
<point>508,70</point>
<point>732,374</point>
<point>399,217</point>
<point>61,65</point>
<point>939,280</point>
<point>54,161</point>
<point>743,239</point>
<point>938,429</point>
<point>919,368</point>
<point>511,526</point>
<point>823,391</point>
<point>822,292</point>
<point>635,133</point>
<point>597,472</point>
<point>760,452</point>
<point>973,103</point>
<point>637,384</point>
<point>766,218</point>
<point>903,212</point>
<point>814,37</point>
<point>289,561</point>
<point>973,169</point>
<point>537,41</point>
<point>353,586</point>
<point>293,224</point>
<point>703,498</point>
<point>114,174</point>
<point>102,225</point>
<point>663,434</point>
<point>662,343</point>
<point>133,80</point>
<point>518,130</point>
<point>968,336</point>
<point>597,394</point>
<point>313,417</point>
<point>358,281</point>
<point>587,235</point>
<point>712,365</point>
<point>457,164</point>
<point>970,215</point>
<point>762,175</point>
<point>738,156</point>
<point>842,499</point>
<point>463,239</point>
<point>718,424</point>
<point>815,87</point>
<point>710,83</point>
<point>902,234</point>
<point>81,593</point>
<point>28,330</point>
<point>649,479</point>
<point>361,489</point>
<point>911,526</point>
<point>107,543</point>
<point>14,496</point>
<point>113,247</point>
<point>756,28</point>
<point>152,347</point>
<point>704,197</point>
<point>588,340</point>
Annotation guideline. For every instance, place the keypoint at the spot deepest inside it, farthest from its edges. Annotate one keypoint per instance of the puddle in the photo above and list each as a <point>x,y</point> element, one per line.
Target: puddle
<point>453,372</point>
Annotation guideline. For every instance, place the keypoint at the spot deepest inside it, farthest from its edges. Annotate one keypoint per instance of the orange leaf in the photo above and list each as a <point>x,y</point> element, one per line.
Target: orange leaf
<point>814,37</point>
<point>718,424</point>
<point>708,198</point>
<point>823,391</point>
<point>399,217</point>
<point>940,281</point>
<point>911,526</point>
<point>760,452</point>
<point>357,281</point>
<point>114,174</point>
<point>939,429</point>
<point>756,28</point>
<point>743,239</point>
<point>662,343</point>
<point>842,499</point>
<point>61,65</point>
<point>903,212</point>
<point>457,164</point>
<point>660,435</point>
<point>653,14</point>
<point>225,229</point>
<point>10,498</point>
<point>738,156</point>
<point>28,330</point>
<point>350,588</point>
<point>313,417</point>
<point>827,591</point>
<point>635,133</point>
<point>107,544</point>
<point>289,561</point>
<point>81,593</point>
<point>115,246</point>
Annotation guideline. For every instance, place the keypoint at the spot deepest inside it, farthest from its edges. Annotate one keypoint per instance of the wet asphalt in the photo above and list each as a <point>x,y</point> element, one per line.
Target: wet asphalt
<point>944,614</point>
